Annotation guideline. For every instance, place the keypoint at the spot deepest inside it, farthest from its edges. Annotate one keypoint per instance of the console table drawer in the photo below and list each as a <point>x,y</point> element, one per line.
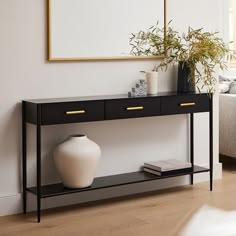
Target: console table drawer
<point>72,112</point>
<point>132,108</point>
<point>185,104</point>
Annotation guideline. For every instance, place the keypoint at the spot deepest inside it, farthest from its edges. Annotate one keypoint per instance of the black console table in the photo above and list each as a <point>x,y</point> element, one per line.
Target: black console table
<point>83,109</point>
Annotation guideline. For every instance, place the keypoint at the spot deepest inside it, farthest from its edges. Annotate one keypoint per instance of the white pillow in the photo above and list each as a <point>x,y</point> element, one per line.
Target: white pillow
<point>224,87</point>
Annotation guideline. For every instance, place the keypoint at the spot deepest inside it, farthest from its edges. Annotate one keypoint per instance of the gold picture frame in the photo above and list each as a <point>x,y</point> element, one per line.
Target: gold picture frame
<point>97,58</point>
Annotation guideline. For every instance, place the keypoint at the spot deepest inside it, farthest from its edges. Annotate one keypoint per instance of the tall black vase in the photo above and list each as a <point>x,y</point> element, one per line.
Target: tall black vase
<point>185,84</point>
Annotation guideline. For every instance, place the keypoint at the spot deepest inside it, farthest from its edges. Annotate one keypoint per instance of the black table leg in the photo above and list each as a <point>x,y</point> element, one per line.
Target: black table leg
<point>211,142</point>
<point>191,144</point>
<point>24,163</point>
<point>38,162</point>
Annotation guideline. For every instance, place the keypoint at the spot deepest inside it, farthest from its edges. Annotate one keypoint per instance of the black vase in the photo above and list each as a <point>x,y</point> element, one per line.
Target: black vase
<point>185,84</point>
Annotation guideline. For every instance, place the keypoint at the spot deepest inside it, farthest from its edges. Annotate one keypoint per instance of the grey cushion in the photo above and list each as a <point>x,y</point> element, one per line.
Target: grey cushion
<point>224,79</point>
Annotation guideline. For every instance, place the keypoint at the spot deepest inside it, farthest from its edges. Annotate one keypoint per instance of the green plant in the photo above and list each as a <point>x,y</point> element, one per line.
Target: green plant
<point>149,43</point>
<point>201,51</point>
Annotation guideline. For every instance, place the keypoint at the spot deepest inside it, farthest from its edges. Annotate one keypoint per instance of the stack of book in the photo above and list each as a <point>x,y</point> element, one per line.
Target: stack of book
<point>167,167</point>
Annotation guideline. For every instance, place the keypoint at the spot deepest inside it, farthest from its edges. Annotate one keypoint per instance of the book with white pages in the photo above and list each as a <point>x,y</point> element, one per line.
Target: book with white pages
<point>167,173</point>
<point>167,165</point>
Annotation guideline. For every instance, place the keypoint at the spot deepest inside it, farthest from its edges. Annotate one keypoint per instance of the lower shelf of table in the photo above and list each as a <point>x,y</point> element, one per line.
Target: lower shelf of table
<point>109,181</point>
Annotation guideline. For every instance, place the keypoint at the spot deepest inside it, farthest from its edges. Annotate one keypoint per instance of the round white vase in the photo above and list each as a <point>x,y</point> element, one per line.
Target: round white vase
<point>152,82</point>
<point>76,160</point>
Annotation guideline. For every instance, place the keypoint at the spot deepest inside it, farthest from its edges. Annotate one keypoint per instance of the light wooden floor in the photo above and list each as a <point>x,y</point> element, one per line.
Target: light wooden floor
<point>163,213</point>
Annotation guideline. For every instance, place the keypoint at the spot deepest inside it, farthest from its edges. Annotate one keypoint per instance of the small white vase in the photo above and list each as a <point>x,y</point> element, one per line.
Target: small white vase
<point>76,160</point>
<point>152,82</point>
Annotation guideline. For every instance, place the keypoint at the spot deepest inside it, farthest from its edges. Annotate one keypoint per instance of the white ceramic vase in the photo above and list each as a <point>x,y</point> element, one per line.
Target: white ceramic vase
<point>76,160</point>
<point>152,82</point>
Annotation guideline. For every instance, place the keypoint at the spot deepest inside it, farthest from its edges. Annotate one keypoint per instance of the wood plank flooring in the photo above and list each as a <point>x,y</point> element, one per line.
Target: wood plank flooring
<point>163,213</point>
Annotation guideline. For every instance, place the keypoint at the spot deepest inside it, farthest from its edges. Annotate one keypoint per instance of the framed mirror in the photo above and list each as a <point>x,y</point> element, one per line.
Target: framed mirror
<point>99,29</point>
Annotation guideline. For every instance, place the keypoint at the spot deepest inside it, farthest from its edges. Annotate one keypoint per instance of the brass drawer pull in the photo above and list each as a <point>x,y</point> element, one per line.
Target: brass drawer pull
<point>187,104</point>
<point>75,112</point>
<point>134,108</point>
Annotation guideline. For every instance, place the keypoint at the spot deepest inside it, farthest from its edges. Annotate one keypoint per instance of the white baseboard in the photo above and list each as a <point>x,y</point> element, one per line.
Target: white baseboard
<point>10,205</point>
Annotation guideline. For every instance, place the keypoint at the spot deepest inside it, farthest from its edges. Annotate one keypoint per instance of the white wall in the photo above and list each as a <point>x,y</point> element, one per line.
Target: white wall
<point>125,144</point>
